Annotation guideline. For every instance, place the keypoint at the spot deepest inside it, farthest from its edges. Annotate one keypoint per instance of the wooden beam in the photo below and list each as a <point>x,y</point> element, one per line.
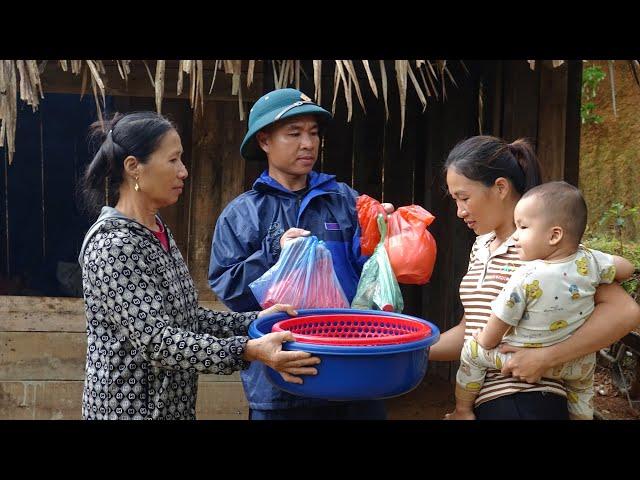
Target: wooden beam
<point>42,355</point>
<point>42,400</point>
<point>62,400</point>
<point>52,314</point>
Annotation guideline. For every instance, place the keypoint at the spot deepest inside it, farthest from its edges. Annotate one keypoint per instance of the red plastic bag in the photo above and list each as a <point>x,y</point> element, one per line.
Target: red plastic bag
<point>411,248</point>
<point>368,209</point>
<point>303,277</point>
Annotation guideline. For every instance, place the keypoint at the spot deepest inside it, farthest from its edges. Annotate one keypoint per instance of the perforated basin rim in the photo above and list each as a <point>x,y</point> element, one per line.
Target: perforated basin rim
<point>353,329</point>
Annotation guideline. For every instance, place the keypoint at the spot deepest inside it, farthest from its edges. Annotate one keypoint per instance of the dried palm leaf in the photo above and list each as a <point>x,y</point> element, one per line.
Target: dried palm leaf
<point>34,75</point>
<point>192,89</point>
<point>124,69</point>
<point>24,95</point>
<point>432,77</point>
<point>235,81</point>
<point>8,106</point>
<point>441,66</point>
<point>348,64</point>
<point>401,78</point>
<point>532,64</point>
<point>120,71</point>
<point>250,73</point>
<point>200,89</point>
<point>180,83</point>
<point>280,64</point>
<point>557,63</point>
<point>424,81</point>
<point>98,109</point>
<point>347,90</point>
<point>317,79</point>
<point>292,71</point>
<point>372,82</point>
<point>83,87</point>
<point>350,96</point>
<point>29,82</point>
<point>284,73</point>
<point>383,75</point>
<point>150,76</point>
<point>95,75</point>
<point>336,87</point>
<point>215,70</point>
<point>433,72</point>
<point>240,103</point>
<point>423,100</point>
<point>446,69</point>
<point>63,65</point>
<point>276,83</point>
<point>159,84</point>
<point>76,66</point>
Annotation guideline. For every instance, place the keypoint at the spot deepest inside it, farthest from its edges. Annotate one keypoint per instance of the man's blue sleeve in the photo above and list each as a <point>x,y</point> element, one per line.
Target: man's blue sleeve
<point>355,241</point>
<point>234,264</point>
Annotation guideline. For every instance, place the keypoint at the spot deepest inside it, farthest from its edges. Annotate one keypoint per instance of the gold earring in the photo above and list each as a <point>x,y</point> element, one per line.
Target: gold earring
<point>136,186</point>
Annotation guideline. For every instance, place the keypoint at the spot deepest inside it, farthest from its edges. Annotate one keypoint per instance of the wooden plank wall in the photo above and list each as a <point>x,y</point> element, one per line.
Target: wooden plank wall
<point>43,346</point>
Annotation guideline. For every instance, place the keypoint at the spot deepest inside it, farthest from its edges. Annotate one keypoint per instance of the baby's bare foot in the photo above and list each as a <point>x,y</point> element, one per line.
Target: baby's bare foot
<point>460,415</point>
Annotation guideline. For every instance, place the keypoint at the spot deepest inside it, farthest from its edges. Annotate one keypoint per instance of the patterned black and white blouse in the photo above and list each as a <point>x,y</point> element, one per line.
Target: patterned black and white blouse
<point>147,337</point>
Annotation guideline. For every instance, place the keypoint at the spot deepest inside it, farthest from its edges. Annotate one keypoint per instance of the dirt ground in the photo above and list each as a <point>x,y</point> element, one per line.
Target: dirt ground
<point>434,397</point>
<point>610,404</point>
<point>429,401</point>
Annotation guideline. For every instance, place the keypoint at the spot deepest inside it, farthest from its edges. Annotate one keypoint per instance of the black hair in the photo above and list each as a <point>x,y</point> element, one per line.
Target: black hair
<point>564,205</point>
<point>135,134</point>
<point>484,158</point>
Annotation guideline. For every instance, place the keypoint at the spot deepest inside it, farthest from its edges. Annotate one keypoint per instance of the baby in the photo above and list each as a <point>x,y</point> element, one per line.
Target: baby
<point>546,299</point>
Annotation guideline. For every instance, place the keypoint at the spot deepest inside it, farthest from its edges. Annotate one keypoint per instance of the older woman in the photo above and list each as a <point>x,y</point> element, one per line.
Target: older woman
<point>148,339</point>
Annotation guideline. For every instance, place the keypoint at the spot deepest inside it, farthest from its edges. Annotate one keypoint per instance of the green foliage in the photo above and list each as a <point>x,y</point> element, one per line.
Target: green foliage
<point>591,77</point>
<point>631,250</point>
<point>615,217</point>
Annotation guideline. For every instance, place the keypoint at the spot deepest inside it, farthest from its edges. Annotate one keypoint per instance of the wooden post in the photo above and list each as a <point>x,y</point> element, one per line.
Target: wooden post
<point>572,140</point>
<point>552,120</point>
<point>204,191</point>
<point>217,177</point>
<point>521,90</point>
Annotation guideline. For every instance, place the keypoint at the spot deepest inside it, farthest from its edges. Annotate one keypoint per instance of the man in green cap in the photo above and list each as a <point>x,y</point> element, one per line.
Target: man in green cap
<point>288,200</point>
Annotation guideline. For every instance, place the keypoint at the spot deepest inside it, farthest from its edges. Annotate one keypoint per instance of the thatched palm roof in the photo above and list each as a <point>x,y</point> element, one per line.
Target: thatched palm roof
<point>427,77</point>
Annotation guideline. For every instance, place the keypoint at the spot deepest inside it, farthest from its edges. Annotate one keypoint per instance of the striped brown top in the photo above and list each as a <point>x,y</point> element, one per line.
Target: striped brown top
<point>486,276</point>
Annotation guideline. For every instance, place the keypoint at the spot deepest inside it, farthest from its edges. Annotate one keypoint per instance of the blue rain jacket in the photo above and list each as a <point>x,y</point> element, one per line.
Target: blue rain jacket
<point>246,243</point>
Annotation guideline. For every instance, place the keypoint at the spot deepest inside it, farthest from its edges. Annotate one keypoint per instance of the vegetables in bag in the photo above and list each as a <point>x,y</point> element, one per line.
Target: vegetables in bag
<point>303,277</point>
<point>378,288</point>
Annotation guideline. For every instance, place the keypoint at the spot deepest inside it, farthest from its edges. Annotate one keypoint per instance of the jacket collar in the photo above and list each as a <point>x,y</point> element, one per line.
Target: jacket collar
<point>317,180</point>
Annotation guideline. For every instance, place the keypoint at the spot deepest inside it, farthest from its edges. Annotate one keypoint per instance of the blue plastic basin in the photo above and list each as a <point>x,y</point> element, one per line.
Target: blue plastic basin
<point>353,372</point>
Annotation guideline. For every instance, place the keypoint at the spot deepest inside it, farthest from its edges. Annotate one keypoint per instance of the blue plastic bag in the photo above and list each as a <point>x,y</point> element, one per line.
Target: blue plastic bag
<point>303,277</point>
